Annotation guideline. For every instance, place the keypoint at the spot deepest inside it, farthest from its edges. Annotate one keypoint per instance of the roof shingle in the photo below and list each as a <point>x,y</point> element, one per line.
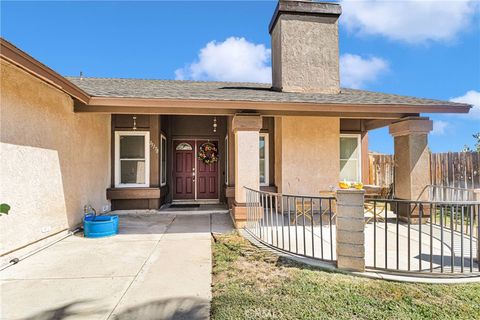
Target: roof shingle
<point>238,91</point>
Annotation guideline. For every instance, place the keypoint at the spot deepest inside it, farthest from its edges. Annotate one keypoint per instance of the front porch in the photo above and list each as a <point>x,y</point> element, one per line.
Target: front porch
<point>289,154</point>
<point>371,235</point>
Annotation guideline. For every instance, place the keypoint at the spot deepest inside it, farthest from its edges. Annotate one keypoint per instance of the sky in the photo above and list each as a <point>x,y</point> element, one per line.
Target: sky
<point>419,48</point>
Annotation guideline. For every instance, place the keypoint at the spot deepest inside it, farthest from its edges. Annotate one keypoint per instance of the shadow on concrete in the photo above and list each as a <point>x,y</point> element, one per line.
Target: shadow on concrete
<point>447,261</point>
<point>66,311</point>
<point>175,309</point>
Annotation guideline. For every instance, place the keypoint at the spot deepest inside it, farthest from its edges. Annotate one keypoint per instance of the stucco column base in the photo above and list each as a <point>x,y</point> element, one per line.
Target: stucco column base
<point>350,230</point>
<point>412,157</point>
<point>411,213</point>
<point>240,213</point>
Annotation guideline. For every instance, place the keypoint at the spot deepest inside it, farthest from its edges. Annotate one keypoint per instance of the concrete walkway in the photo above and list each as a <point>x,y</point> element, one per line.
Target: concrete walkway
<point>158,267</point>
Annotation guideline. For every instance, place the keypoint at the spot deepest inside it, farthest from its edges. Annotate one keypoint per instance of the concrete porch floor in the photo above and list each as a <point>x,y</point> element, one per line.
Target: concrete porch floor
<point>158,267</point>
<point>417,254</point>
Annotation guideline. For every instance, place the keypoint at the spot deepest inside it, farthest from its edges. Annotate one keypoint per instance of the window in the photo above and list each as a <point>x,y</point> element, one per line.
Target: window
<point>132,159</point>
<point>163,162</point>
<point>184,147</point>
<point>226,160</point>
<point>350,158</point>
<point>263,144</point>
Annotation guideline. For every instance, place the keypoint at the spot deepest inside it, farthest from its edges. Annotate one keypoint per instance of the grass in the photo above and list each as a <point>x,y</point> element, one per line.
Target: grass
<point>249,283</point>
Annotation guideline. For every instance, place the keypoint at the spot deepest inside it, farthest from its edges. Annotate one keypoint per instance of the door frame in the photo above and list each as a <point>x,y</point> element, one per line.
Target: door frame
<point>195,139</point>
<point>174,152</point>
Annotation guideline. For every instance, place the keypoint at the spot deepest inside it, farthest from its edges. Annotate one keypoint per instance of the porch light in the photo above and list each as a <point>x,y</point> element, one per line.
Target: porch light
<point>134,123</point>
<point>214,124</point>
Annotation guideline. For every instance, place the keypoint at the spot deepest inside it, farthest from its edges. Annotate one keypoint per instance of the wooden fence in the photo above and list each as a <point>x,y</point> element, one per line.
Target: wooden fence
<point>381,169</point>
<point>452,169</point>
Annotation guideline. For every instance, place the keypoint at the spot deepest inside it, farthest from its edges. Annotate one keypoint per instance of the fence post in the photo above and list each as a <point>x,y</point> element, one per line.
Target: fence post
<point>350,230</point>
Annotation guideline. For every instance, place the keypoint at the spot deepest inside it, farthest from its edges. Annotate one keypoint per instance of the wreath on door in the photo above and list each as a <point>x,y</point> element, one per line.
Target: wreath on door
<point>208,153</point>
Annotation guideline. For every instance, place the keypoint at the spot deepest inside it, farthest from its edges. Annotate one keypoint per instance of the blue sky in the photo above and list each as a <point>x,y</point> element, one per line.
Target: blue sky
<point>419,48</point>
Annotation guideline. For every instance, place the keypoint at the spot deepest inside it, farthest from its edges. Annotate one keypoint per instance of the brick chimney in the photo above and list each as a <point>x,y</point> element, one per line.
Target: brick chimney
<point>305,47</point>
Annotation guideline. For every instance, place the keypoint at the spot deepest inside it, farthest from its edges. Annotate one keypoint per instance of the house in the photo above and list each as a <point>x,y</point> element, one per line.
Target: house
<point>135,144</point>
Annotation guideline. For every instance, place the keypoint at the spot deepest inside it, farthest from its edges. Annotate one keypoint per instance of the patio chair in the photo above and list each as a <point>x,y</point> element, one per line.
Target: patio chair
<point>376,209</point>
<point>325,203</point>
<point>302,208</point>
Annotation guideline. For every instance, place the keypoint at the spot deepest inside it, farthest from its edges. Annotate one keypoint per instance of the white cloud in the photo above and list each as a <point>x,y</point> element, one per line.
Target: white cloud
<point>439,127</point>
<point>356,71</point>
<point>234,59</point>
<point>412,21</point>
<point>471,97</point>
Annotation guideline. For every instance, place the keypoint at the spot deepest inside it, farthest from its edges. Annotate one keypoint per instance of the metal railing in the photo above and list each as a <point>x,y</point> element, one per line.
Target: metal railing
<point>422,236</point>
<point>446,193</point>
<point>303,225</point>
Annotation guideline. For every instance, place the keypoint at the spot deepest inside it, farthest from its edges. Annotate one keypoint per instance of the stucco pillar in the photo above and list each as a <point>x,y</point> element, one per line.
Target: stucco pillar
<point>350,230</point>
<point>412,161</point>
<point>246,130</point>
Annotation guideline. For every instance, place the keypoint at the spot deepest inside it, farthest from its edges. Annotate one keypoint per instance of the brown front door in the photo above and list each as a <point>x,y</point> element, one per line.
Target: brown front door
<point>184,169</point>
<point>207,177</point>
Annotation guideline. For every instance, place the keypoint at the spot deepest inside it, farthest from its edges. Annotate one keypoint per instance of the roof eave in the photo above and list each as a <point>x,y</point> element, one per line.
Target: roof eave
<point>280,106</point>
<point>21,59</point>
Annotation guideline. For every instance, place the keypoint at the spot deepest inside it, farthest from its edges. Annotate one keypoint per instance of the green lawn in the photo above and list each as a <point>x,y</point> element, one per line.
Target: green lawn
<point>249,283</point>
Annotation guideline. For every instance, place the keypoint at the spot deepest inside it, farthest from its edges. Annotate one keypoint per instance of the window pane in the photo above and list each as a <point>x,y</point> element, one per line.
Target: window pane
<point>349,170</point>
<point>226,160</point>
<point>262,171</point>
<point>164,161</point>
<point>262,147</point>
<point>348,148</point>
<point>164,150</point>
<point>132,147</point>
<point>184,146</point>
<point>132,171</point>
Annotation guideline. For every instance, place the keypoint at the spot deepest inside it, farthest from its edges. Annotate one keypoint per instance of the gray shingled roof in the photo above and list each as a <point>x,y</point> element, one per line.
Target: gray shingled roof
<point>236,91</point>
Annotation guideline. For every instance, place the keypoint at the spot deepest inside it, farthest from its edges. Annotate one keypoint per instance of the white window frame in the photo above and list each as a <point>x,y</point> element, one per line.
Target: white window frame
<point>226,160</point>
<point>267,161</point>
<point>359,146</point>
<point>118,134</point>
<point>163,180</point>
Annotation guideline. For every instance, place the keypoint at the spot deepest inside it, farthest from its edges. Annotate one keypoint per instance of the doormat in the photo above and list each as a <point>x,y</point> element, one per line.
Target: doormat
<point>185,206</point>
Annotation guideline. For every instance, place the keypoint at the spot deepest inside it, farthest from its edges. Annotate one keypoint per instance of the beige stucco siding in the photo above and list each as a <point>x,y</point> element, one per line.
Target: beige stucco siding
<point>305,54</point>
<point>307,154</point>
<point>53,161</point>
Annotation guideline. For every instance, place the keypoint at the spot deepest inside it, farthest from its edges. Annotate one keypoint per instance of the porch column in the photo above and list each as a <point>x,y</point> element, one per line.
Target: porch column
<point>412,161</point>
<point>246,128</point>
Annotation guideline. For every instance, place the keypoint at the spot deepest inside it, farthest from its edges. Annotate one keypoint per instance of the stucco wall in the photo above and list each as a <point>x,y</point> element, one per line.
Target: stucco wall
<point>307,154</point>
<point>53,161</point>
<point>305,54</point>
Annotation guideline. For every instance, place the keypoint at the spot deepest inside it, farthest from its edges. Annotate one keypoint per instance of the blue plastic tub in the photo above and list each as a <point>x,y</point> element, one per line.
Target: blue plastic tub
<point>100,226</point>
